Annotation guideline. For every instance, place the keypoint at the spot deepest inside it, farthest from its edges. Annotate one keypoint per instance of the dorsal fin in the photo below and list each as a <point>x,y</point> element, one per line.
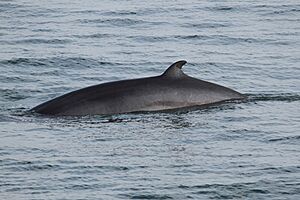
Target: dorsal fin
<point>174,70</point>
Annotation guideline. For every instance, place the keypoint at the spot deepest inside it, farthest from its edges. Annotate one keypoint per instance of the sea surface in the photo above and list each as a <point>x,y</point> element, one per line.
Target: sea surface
<point>238,150</point>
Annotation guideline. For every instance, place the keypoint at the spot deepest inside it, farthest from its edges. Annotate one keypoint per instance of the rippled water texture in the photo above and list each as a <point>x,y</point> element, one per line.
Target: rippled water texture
<point>242,150</point>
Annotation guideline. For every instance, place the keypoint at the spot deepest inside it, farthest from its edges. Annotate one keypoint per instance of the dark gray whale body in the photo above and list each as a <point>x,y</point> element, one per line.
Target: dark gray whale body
<point>173,89</point>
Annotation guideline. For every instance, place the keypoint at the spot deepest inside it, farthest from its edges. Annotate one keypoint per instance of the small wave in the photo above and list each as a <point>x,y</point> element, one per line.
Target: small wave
<point>224,191</point>
<point>12,28</point>
<point>188,37</point>
<point>144,11</point>
<point>289,97</point>
<point>9,5</point>
<point>43,41</point>
<point>12,95</point>
<point>116,21</point>
<point>25,61</point>
<point>97,35</point>
<point>147,196</point>
<point>60,62</point>
<point>96,11</point>
<point>231,40</point>
<point>227,8</point>
<point>43,30</point>
<point>280,170</point>
<point>206,25</point>
<point>32,189</point>
<point>37,167</point>
<point>120,12</point>
<point>151,39</point>
<point>222,8</point>
<point>282,12</point>
<point>285,139</point>
<point>98,167</point>
<point>221,39</point>
<point>83,186</point>
<point>119,22</point>
<point>27,165</point>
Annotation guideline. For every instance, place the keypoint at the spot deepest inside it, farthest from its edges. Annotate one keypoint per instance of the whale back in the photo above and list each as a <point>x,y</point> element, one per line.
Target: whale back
<point>172,89</point>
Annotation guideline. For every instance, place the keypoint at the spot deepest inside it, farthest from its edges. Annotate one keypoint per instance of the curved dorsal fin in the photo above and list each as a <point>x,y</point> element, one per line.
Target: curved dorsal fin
<point>174,71</point>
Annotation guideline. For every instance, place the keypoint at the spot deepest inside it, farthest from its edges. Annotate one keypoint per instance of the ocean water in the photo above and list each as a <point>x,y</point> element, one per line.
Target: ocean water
<point>238,150</point>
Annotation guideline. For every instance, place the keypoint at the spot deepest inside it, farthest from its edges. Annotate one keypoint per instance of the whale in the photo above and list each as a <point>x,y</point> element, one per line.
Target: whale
<point>173,89</point>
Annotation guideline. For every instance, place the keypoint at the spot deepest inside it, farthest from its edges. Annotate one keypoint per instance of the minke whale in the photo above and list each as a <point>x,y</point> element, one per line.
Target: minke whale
<point>171,90</point>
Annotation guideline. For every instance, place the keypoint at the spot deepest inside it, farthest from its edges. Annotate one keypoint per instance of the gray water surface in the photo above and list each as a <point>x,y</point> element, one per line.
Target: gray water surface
<point>238,150</point>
